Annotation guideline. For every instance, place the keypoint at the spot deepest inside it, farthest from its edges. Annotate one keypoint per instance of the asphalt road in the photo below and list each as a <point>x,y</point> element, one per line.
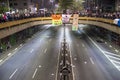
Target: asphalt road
<point>38,59</point>
<point>89,58</point>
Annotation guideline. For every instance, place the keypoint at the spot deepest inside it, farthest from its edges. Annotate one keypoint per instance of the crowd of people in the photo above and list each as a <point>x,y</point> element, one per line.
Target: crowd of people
<point>4,17</point>
<point>108,15</point>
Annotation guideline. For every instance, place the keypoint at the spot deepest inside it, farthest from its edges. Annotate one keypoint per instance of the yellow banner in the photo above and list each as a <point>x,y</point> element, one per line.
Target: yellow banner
<point>75,22</point>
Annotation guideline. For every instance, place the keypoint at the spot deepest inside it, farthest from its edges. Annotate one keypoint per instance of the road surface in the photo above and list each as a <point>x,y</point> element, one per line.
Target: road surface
<point>38,59</point>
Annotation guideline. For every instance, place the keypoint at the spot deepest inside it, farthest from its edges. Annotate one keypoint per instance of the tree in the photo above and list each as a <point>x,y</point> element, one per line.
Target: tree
<point>3,9</point>
<point>77,5</point>
<point>3,6</point>
<point>65,4</point>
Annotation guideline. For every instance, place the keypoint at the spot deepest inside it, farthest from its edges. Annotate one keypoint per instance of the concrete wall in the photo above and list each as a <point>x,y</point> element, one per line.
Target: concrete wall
<point>8,31</point>
<point>12,30</point>
<point>112,28</point>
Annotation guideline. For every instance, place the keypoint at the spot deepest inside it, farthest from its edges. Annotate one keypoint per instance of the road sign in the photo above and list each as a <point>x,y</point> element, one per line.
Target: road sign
<point>75,22</point>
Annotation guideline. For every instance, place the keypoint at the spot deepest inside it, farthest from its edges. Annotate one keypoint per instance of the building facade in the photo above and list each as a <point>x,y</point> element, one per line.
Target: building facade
<point>4,6</point>
<point>117,5</point>
<point>21,5</point>
<point>103,5</point>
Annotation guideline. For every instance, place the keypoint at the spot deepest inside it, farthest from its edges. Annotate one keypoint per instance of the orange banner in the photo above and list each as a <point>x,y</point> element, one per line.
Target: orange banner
<point>56,19</point>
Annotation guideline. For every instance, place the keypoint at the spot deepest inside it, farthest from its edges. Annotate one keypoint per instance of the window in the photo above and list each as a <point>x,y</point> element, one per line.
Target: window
<point>11,4</point>
<point>15,4</point>
<point>25,4</point>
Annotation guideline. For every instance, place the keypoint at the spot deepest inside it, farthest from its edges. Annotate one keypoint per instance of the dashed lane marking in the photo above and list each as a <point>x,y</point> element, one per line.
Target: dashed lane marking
<point>13,74</point>
<point>39,66</point>
<point>85,62</point>
<point>92,60</point>
<point>75,59</point>
<point>83,45</point>
<point>52,74</point>
<point>110,46</point>
<point>34,73</point>
<point>45,50</point>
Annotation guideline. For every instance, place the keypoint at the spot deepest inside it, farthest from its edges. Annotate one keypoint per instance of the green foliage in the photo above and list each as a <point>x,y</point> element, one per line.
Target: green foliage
<point>71,4</point>
<point>65,4</point>
<point>77,5</point>
<point>13,39</point>
<point>3,9</point>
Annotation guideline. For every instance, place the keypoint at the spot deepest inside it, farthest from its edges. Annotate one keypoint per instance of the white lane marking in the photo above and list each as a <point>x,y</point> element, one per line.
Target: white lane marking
<point>116,62</point>
<point>105,42</point>
<point>39,66</point>
<point>57,65</point>
<point>21,44</point>
<point>92,60</point>
<point>72,64</point>
<point>110,46</point>
<point>114,57</point>
<point>15,48</point>
<point>52,74</point>
<point>13,74</point>
<point>61,63</point>
<point>103,53</point>
<point>45,50</point>
<point>85,62</point>
<point>32,50</point>
<point>116,50</point>
<point>66,54</point>
<point>75,59</point>
<point>35,73</point>
<point>1,60</point>
<point>67,62</point>
<point>9,54</point>
<point>112,53</point>
<point>83,45</point>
